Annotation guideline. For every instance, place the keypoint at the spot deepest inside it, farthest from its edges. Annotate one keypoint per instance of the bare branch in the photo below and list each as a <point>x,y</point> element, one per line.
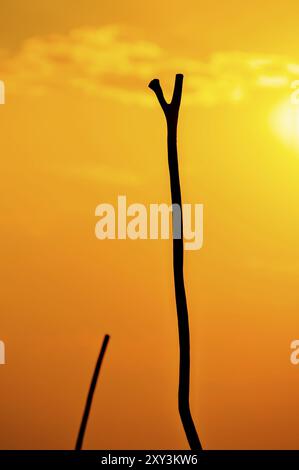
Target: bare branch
<point>171,109</point>
<point>92,387</point>
<point>177,92</point>
<point>156,87</point>
<point>171,112</point>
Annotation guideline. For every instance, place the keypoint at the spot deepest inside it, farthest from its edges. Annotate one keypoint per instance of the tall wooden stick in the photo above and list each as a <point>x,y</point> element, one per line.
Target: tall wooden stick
<point>171,112</point>
<point>92,387</point>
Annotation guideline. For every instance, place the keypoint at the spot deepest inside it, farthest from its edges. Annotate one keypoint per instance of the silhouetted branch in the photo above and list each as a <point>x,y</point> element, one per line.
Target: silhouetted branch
<point>90,393</point>
<point>171,112</point>
<point>177,92</point>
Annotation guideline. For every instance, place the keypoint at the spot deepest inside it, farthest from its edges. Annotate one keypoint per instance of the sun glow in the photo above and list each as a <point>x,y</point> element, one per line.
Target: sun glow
<point>285,123</point>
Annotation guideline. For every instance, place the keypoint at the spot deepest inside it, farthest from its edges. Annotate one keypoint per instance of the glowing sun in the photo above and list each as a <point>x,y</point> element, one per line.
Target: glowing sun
<point>285,123</point>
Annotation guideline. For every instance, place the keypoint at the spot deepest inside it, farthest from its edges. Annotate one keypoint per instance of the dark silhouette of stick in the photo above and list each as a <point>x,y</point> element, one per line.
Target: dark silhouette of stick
<point>90,393</point>
<point>171,112</point>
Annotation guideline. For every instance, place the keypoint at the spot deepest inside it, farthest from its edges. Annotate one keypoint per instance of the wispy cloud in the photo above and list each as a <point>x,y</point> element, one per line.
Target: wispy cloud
<point>108,62</point>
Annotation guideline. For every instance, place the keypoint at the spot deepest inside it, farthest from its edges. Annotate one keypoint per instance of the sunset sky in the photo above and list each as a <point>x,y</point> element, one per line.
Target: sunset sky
<point>80,127</point>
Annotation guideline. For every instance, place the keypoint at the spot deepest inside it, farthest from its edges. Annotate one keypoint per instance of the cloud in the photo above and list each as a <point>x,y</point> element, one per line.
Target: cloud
<point>110,62</point>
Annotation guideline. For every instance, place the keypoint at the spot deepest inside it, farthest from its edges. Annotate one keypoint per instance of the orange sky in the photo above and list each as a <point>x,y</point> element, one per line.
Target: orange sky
<point>80,127</point>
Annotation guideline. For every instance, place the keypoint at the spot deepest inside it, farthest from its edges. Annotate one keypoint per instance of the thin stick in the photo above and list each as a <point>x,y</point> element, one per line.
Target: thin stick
<point>90,393</point>
<point>171,112</point>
